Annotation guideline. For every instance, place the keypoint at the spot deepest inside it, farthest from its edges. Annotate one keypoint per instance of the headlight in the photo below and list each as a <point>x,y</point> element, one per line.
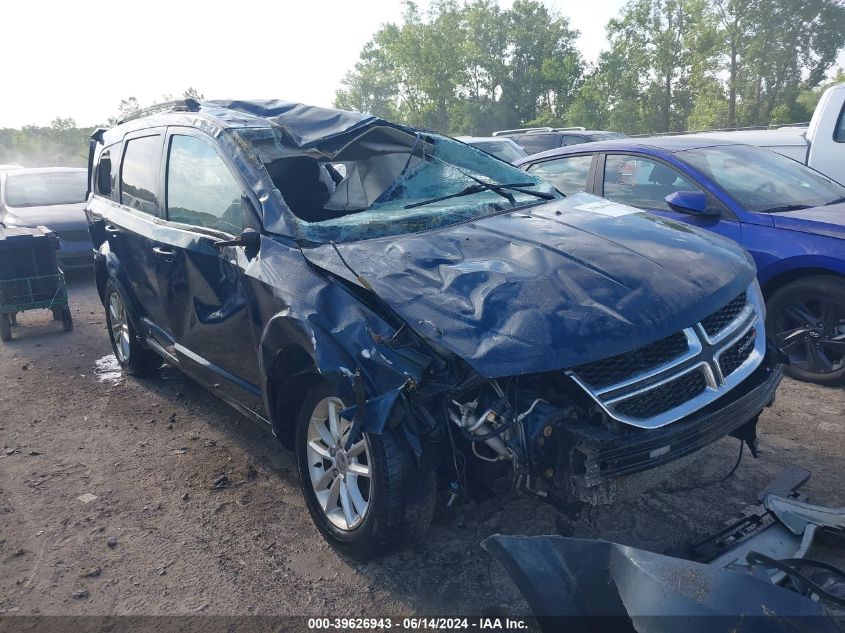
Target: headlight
<point>755,294</point>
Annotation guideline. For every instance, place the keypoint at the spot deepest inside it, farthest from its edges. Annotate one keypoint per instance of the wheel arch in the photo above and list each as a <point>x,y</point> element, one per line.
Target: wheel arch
<point>779,280</point>
<point>290,367</point>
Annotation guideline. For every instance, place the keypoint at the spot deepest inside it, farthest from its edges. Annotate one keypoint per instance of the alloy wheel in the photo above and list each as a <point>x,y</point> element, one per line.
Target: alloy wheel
<point>810,329</point>
<point>341,478</point>
<point>119,327</point>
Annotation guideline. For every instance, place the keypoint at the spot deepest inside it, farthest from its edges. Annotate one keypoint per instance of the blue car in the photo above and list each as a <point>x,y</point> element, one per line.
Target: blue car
<point>402,308</point>
<point>788,216</point>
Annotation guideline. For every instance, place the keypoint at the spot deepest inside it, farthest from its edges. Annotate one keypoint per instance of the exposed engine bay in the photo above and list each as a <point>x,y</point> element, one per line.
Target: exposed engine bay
<point>554,441</point>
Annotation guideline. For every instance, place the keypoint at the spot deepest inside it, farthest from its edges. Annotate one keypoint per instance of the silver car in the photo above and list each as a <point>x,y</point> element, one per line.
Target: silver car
<point>53,197</point>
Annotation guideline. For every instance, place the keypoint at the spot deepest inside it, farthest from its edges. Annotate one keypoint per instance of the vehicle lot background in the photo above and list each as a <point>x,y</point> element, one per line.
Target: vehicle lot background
<point>151,450</point>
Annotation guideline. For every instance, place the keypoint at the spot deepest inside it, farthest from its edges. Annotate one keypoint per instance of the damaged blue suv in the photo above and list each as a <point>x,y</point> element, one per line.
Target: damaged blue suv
<point>405,310</point>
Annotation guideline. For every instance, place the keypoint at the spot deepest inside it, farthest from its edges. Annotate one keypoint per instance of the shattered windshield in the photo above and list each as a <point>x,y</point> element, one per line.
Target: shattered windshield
<point>388,181</point>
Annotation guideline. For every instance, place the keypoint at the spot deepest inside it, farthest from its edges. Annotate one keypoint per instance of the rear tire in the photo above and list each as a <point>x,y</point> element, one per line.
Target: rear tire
<point>806,319</point>
<point>388,509</point>
<point>5,327</point>
<point>134,358</point>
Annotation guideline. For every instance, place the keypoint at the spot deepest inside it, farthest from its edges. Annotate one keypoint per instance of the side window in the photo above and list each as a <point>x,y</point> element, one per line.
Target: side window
<point>139,174</point>
<point>642,182</point>
<point>105,181</point>
<point>201,191</point>
<point>568,175</point>
<point>574,139</point>
<point>535,143</point>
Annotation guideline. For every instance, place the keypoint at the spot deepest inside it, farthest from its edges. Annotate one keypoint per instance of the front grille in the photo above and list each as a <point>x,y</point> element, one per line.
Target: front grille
<point>665,381</point>
<point>665,397</point>
<point>723,317</point>
<point>731,359</point>
<point>615,369</point>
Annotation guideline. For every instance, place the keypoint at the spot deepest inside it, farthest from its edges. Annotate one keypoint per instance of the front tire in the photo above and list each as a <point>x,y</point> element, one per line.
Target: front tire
<point>806,319</point>
<point>370,500</point>
<point>134,359</point>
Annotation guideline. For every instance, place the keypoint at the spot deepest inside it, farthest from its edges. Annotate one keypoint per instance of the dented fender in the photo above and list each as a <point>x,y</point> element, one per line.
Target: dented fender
<point>342,336</point>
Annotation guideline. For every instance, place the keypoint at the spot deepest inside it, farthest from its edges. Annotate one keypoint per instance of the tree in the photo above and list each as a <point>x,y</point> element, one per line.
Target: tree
<point>675,65</point>
<point>772,50</point>
<point>126,108</point>
<point>193,93</point>
<point>467,68</point>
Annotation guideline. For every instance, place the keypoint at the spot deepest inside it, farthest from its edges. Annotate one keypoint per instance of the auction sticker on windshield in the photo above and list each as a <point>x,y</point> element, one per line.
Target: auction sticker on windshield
<point>608,208</point>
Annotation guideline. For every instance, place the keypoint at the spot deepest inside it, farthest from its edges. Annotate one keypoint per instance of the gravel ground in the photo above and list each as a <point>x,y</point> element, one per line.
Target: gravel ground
<point>159,539</point>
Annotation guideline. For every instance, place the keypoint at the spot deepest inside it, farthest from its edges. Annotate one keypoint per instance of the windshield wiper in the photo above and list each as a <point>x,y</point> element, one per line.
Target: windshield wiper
<point>836,201</point>
<point>499,188</point>
<point>787,207</point>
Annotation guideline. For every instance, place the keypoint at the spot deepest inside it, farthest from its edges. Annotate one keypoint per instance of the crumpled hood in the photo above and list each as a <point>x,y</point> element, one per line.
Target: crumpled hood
<point>550,287</point>
<point>827,220</point>
<point>58,217</point>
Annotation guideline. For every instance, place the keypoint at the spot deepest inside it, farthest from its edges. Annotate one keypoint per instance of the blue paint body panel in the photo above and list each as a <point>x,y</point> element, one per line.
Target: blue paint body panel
<point>781,243</point>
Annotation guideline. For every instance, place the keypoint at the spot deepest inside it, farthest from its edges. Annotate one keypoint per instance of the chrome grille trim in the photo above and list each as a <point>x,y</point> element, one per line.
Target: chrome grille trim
<point>704,354</point>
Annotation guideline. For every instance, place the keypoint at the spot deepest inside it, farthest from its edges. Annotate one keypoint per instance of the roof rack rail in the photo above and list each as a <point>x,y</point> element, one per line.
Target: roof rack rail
<point>523,129</point>
<point>538,130</point>
<point>180,105</point>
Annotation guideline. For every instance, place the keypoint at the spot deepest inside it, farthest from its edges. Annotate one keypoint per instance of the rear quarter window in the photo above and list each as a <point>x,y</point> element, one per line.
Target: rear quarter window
<point>139,174</point>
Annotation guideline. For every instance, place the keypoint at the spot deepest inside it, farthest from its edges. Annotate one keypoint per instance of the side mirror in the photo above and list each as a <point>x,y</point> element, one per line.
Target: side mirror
<point>104,176</point>
<point>249,239</point>
<point>692,202</point>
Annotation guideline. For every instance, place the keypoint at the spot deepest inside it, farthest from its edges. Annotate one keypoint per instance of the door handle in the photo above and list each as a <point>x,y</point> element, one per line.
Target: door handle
<point>165,253</point>
<point>111,228</point>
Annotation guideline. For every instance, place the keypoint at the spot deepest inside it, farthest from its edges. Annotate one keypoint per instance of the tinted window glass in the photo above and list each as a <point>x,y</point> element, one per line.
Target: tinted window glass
<point>507,150</point>
<point>606,136</point>
<point>107,167</point>
<point>46,189</point>
<point>534,143</point>
<point>642,182</point>
<point>201,190</point>
<point>573,139</point>
<point>839,132</point>
<point>568,175</point>
<point>761,180</point>
<point>139,174</point>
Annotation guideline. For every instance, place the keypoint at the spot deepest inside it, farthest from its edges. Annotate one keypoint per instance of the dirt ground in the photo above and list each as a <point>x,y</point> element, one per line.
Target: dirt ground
<point>159,539</point>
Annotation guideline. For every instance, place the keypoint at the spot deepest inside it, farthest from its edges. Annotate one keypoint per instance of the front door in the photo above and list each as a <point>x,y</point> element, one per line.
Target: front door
<point>644,182</point>
<point>204,289</point>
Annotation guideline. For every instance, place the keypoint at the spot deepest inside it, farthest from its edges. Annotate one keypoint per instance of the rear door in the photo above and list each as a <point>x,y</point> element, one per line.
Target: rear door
<point>644,182</point>
<point>130,224</point>
<point>203,286</point>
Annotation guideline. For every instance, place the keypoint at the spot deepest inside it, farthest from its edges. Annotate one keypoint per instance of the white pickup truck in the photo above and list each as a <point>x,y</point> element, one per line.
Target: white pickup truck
<point>820,146</point>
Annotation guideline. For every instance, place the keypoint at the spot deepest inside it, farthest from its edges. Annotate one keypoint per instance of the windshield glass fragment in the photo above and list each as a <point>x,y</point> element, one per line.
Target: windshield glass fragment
<point>389,181</point>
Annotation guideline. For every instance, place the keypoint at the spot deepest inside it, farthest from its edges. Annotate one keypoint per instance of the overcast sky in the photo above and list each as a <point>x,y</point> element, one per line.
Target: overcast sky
<point>79,59</point>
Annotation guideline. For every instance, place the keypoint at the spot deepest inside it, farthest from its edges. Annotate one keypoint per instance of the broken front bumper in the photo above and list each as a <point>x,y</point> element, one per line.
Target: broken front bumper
<point>605,467</point>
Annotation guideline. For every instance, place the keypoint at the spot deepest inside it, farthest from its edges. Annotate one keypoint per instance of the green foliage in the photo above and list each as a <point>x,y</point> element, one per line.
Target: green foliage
<point>63,143</point>
<point>468,68</point>
<point>672,65</point>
